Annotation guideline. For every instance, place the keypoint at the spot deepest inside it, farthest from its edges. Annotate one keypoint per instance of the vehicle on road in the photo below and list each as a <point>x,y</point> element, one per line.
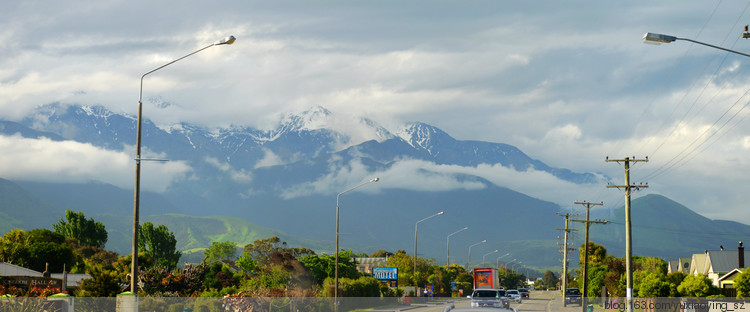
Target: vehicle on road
<point>489,298</point>
<point>573,295</point>
<point>524,292</point>
<point>513,295</point>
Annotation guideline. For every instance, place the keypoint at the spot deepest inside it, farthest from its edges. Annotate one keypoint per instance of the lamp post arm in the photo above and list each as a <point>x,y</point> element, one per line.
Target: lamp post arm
<point>713,46</point>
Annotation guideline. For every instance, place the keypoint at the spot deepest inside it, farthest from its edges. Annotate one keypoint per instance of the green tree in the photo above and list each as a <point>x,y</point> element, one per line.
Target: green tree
<point>103,283</point>
<point>696,286</point>
<point>381,253</point>
<point>220,251</point>
<point>247,263</point>
<point>550,279</point>
<point>323,266</point>
<point>261,249</point>
<point>405,265</point>
<point>650,284</point>
<point>742,284</point>
<point>158,244</point>
<point>35,249</point>
<point>87,232</point>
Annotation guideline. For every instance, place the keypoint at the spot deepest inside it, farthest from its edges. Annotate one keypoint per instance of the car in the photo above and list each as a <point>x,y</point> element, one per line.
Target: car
<point>513,295</point>
<point>524,292</point>
<point>489,298</point>
<point>573,295</point>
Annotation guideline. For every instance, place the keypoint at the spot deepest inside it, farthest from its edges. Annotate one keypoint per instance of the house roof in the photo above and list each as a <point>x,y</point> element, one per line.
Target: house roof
<point>7,269</point>
<point>372,260</point>
<point>685,262</point>
<point>698,264</point>
<point>722,261</point>
<point>674,266</point>
<point>731,275</point>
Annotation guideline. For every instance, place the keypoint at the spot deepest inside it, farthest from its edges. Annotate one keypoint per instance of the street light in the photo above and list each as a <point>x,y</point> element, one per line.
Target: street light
<point>336,291</point>
<point>415,238</point>
<point>469,266</point>
<point>448,246</point>
<point>497,262</point>
<point>137,191</point>
<point>489,253</point>
<point>657,39</point>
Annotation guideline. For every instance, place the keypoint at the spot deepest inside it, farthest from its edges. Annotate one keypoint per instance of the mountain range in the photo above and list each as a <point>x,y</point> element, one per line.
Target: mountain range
<point>244,183</point>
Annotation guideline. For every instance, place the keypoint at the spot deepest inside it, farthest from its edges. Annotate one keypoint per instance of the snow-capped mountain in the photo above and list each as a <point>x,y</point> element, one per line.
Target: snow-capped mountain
<point>285,177</point>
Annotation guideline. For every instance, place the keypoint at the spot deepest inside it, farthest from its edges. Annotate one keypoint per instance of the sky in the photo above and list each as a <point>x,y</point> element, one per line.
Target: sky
<point>568,82</point>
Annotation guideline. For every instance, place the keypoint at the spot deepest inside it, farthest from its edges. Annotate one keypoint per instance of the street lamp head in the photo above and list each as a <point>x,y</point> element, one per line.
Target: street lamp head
<point>657,39</point>
<point>484,241</point>
<point>442,212</point>
<point>375,180</point>
<point>227,40</point>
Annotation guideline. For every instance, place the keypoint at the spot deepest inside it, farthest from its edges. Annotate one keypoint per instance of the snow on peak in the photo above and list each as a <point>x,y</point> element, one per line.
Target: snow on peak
<point>351,130</point>
<point>421,135</point>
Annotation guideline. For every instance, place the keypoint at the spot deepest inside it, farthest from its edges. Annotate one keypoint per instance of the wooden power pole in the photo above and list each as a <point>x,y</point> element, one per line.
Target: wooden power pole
<point>628,234</point>
<point>565,254</point>
<point>587,222</point>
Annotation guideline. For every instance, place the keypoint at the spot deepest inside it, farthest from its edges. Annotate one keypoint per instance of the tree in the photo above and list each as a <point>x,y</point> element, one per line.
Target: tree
<point>158,244</point>
<point>742,284</point>
<point>247,263</point>
<point>696,286</point>
<point>381,254</point>
<point>220,251</point>
<point>261,249</point>
<point>35,249</point>
<point>550,280</point>
<point>103,283</point>
<point>87,232</point>
<point>323,266</point>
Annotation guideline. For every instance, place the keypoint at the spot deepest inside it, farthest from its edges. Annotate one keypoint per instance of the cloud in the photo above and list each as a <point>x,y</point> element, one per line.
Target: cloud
<point>67,161</point>
<point>269,159</point>
<point>240,176</point>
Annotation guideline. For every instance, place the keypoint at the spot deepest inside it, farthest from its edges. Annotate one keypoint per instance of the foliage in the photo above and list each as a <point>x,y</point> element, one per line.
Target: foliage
<point>323,266</point>
<point>158,244</point>
<point>650,284</point>
<point>95,256</point>
<point>510,279</point>
<point>220,251</point>
<point>247,263</point>
<point>34,291</point>
<point>87,232</point>
<point>364,286</point>
<point>103,283</point>
<point>381,254</point>
<point>260,250</point>
<point>550,279</point>
<point>405,265</point>
<point>35,249</point>
<point>696,286</point>
<point>159,281</point>
<point>742,284</point>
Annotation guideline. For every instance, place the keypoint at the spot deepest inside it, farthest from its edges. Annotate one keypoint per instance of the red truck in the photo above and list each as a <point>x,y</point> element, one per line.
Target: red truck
<point>486,278</point>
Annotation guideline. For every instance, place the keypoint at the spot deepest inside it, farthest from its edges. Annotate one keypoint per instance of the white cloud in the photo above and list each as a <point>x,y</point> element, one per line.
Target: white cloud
<point>240,176</point>
<point>269,159</point>
<point>68,161</point>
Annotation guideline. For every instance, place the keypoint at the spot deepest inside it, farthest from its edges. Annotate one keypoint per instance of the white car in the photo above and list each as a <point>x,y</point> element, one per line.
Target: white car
<point>513,295</point>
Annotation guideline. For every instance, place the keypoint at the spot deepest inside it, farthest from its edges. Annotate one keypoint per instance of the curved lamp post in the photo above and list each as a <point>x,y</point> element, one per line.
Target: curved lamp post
<point>489,253</point>
<point>336,290</point>
<point>415,238</point>
<point>657,39</point>
<point>468,268</point>
<point>137,191</point>
<point>497,261</point>
<point>448,246</point>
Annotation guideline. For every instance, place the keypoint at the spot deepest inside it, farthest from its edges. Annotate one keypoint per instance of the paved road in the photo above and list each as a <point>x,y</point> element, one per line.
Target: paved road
<point>540,301</point>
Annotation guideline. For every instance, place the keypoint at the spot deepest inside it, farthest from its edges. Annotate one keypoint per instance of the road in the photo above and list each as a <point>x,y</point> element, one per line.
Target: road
<point>541,301</point>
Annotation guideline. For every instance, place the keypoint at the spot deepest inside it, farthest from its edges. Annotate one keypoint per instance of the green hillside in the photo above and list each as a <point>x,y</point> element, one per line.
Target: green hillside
<point>196,233</point>
<point>664,228</point>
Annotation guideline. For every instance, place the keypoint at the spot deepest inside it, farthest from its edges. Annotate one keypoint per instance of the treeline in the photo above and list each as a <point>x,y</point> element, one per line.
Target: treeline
<point>650,277</point>
<point>265,268</point>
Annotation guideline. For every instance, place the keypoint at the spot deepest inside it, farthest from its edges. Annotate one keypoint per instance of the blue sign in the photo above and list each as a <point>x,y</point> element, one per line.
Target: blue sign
<point>385,273</point>
<point>453,286</point>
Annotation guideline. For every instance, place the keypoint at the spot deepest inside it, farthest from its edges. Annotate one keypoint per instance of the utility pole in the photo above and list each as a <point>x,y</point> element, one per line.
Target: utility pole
<point>565,254</point>
<point>584,300</point>
<point>628,233</point>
